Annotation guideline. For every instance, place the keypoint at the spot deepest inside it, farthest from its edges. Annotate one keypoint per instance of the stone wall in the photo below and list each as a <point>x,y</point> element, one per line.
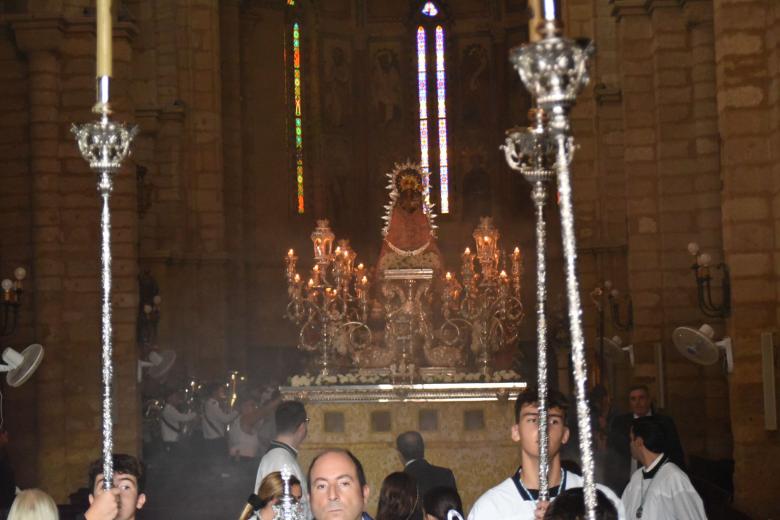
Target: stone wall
<point>747,74</point>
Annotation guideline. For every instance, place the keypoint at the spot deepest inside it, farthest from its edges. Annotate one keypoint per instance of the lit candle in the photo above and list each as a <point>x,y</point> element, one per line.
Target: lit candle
<point>364,281</point>
<point>290,253</point>
<point>448,276</point>
<point>467,251</point>
<point>311,283</point>
<point>297,278</point>
<point>104,38</point>
<point>549,9</point>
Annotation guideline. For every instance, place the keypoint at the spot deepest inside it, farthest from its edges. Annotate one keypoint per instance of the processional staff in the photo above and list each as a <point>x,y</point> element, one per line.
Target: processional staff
<point>554,70</point>
<point>105,145</point>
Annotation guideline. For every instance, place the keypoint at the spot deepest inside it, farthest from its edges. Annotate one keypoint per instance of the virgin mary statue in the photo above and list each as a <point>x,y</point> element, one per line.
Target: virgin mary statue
<point>409,232</point>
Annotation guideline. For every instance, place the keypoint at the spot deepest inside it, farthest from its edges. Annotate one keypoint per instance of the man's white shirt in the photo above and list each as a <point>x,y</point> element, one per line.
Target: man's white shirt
<point>175,418</point>
<point>669,494</point>
<point>215,420</point>
<point>278,456</point>
<point>504,502</point>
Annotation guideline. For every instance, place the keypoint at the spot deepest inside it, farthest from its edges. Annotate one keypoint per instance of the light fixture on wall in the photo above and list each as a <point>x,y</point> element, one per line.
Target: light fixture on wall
<point>701,271</point>
<point>12,300</point>
<point>615,299</point>
<point>606,296</point>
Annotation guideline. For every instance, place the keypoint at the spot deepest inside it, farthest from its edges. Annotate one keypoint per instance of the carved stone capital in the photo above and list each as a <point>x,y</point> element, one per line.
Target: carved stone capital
<point>39,34</point>
<point>122,30</point>
<point>652,5</point>
<point>621,8</point>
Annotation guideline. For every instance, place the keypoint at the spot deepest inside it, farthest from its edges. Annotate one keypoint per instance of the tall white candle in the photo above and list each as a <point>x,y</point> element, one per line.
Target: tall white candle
<point>549,9</point>
<point>104,38</point>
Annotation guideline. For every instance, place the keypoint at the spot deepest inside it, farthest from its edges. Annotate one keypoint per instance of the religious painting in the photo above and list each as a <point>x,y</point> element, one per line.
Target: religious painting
<point>336,154</point>
<point>386,85</point>
<point>475,86</point>
<point>516,6</point>
<point>336,83</point>
<point>385,11</point>
<point>477,187</point>
<point>518,97</point>
<point>463,8</point>
<point>337,9</point>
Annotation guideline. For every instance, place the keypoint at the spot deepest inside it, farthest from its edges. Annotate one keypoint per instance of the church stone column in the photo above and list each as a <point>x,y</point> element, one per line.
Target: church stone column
<point>232,160</point>
<point>747,117</point>
<point>40,41</point>
<point>635,43</point>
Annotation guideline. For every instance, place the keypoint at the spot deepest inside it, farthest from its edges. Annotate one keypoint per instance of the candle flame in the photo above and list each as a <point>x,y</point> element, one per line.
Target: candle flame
<point>448,276</point>
<point>467,251</point>
<point>290,253</point>
<point>297,278</point>
<point>311,282</point>
<point>361,266</point>
<point>364,280</point>
<point>517,251</point>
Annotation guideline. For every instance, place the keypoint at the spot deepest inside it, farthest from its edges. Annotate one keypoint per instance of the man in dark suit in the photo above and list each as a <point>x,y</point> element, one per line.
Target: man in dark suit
<point>618,437</point>
<point>412,450</point>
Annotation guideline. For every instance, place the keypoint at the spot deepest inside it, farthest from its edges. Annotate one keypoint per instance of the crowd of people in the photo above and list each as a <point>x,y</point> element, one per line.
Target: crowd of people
<point>642,472</point>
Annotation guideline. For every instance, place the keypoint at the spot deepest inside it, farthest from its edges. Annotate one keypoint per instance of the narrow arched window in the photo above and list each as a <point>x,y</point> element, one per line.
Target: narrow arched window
<point>432,79</point>
<point>293,46</point>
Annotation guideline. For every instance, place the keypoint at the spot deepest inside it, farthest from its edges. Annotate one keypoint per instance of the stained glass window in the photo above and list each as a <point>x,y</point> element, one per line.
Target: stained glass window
<point>434,121</point>
<point>429,9</point>
<point>298,112</point>
<point>441,96</point>
<point>422,89</point>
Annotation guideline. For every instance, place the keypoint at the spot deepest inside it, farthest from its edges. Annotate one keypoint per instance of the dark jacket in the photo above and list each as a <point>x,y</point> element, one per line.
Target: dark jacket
<point>428,477</point>
<point>620,451</point>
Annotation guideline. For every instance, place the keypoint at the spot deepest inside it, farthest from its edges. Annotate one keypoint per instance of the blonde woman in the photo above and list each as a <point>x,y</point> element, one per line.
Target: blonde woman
<point>268,494</point>
<point>33,504</point>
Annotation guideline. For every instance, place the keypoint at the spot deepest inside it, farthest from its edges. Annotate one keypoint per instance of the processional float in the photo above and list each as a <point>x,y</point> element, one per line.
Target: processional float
<point>554,70</point>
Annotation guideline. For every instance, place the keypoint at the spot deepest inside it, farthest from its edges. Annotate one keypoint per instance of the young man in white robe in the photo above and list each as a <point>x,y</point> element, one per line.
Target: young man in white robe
<point>658,490</point>
<point>517,498</point>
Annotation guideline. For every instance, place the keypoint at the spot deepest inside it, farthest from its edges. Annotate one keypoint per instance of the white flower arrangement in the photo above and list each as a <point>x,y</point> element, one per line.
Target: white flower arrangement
<point>372,379</point>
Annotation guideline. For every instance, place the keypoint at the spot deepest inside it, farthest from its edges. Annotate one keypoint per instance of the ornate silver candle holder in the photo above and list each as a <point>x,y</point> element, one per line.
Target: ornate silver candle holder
<point>532,152</point>
<point>105,145</point>
<point>288,508</point>
<point>554,70</point>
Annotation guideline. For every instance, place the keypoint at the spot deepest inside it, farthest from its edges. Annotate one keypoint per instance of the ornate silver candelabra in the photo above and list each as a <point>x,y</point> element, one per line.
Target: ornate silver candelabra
<point>554,70</point>
<point>333,306</point>
<point>105,145</point>
<point>488,299</point>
